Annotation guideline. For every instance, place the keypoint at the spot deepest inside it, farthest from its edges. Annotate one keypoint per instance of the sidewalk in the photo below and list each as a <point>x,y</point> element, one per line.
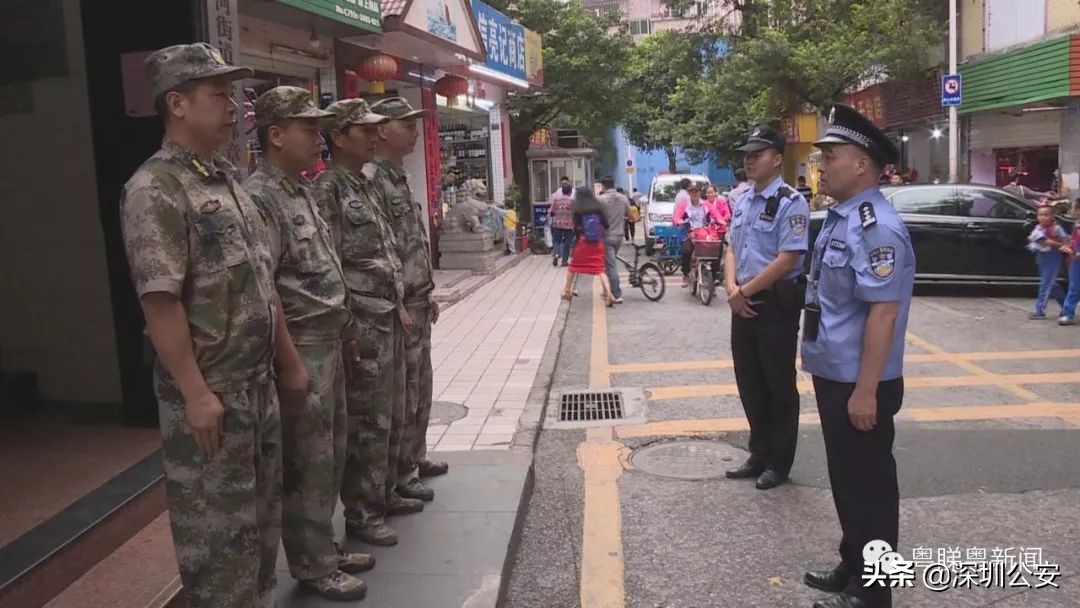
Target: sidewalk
<point>487,351</point>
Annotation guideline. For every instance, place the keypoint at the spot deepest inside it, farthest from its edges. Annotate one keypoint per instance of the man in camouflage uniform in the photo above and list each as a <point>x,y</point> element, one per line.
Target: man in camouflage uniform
<point>196,245</point>
<point>311,285</point>
<point>375,386</point>
<point>397,139</point>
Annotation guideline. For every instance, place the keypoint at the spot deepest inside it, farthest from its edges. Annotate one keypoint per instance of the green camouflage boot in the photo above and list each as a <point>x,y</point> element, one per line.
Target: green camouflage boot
<point>353,563</point>
<point>378,534</point>
<point>416,489</point>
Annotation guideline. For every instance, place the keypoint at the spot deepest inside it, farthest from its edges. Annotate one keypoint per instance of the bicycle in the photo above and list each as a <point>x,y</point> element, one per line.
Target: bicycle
<point>706,269</point>
<point>647,277</point>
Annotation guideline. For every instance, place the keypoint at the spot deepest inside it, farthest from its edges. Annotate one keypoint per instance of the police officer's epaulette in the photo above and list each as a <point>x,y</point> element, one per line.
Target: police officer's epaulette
<point>867,215</point>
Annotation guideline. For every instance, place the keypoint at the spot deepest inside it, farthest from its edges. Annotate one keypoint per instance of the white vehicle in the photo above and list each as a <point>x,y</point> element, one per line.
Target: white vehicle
<point>661,202</point>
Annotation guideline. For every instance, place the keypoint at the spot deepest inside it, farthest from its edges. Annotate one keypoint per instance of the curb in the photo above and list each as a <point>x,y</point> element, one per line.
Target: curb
<point>527,436</point>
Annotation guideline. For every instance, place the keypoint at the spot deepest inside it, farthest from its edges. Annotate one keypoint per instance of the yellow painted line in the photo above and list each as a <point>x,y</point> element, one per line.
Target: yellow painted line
<point>599,377</point>
<point>1016,389</point>
<point>602,566</point>
<point>1065,411</point>
<point>665,393</point>
<point>942,357</point>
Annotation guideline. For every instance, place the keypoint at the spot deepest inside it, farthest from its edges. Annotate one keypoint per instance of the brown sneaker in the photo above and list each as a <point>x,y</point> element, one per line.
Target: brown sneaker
<point>433,469</point>
<point>337,587</point>
<point>353,563</point>
<point>416,489</point>
<point>373,534</point>
<point>404,506</point>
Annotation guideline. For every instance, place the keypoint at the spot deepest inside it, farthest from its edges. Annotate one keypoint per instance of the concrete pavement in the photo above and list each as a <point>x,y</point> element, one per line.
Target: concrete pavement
<point>987,446</point>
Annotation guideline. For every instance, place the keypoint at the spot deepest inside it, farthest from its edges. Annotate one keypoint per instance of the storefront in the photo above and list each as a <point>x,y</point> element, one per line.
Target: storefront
<point>801,132</point>
<point>1020,114</point>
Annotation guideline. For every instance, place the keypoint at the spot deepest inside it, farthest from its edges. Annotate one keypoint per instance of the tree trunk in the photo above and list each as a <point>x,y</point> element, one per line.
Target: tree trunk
<point>671,159</point>
<point>519,165</point>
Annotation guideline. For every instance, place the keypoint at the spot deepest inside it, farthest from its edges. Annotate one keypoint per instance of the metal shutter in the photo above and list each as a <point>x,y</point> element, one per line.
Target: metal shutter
<point>1001,130</point>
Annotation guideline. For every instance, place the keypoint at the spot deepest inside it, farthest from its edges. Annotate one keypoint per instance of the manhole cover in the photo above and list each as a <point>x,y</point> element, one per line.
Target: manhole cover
<point>444,412</point>
<point>590,405</point>
<point>688,459</point>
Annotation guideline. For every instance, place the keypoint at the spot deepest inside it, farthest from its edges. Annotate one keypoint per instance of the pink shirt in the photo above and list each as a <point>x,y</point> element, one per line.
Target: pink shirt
<point>562,210</point>
<point>723,210</point>
<point>710,211</point>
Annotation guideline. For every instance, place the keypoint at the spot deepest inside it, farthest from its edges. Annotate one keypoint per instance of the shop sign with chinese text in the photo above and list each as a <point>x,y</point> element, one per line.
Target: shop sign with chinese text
<point>870,103</point>
<point>223,33</point>
<point>503,39</point>
<point>363,14</point>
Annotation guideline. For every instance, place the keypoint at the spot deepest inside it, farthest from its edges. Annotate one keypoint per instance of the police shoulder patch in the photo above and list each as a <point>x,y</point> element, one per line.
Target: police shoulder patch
<point>883,261</point>
<point>867,215</point>
<point>798,224</point>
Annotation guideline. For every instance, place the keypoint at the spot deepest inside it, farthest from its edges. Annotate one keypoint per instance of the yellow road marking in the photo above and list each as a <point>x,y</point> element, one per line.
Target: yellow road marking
<point>599,377</point>
<point>1065,411</point>
<point>600,459</point>
<point>1009,381</point>
<point>1018,355</point>
<point>1016,389</point>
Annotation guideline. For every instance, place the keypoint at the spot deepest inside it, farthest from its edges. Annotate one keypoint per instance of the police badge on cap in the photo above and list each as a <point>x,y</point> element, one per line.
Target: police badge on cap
<point>847,126</point>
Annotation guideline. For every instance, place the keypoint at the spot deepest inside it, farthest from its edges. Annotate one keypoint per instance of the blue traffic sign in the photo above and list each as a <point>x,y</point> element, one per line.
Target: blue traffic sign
<point>952,90</point>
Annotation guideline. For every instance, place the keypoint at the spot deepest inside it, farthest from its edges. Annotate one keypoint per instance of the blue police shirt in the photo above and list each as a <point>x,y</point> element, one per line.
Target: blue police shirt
<point>862,255</point>
<point>758,238</point>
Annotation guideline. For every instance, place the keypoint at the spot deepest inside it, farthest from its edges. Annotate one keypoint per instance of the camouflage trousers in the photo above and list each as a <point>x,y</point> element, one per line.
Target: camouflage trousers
<point>314,458</point>
<point>418,388</point>
<point>376,417</point>
<point>225,511</point>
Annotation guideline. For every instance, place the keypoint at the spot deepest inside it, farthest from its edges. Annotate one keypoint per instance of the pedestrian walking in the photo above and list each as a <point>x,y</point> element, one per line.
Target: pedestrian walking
<point>591,228</point>
<point>803,188</point>
<point>197,249</point>
<point>1046,241</point>
<point>616,210</point>
<point>561,215</point>
<point>1072,256</point>
<point>632,218</point>
<point>397,139</point>
<point>768,240</point>
<point>862,276</point>
<point>311,285</point>
<point>375,379</point>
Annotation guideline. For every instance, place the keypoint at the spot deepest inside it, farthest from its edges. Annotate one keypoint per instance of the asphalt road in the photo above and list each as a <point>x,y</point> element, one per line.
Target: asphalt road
<point>988,449</point>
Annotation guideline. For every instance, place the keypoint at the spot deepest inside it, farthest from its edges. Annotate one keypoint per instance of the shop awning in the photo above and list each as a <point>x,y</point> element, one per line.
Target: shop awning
<point>335,18</point>
<point>438,33</point>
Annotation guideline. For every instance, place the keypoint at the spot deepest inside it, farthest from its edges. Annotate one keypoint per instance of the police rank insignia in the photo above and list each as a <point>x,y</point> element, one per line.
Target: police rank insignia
<point>883,261</point>
<point>867,215</point>
<point>798,224</point>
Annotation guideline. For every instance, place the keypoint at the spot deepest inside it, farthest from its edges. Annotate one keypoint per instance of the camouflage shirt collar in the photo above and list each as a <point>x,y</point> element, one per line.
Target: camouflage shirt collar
<point>396,173</point>
<point>354,180</point>
<point>218,169</point>
<point>288,182</point>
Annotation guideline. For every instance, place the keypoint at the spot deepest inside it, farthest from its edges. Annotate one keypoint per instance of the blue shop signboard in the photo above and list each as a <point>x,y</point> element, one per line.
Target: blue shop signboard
<point>504,40</point>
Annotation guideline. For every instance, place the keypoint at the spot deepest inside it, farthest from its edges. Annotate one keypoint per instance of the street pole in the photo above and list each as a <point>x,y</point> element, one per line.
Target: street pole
<point>954,127</point>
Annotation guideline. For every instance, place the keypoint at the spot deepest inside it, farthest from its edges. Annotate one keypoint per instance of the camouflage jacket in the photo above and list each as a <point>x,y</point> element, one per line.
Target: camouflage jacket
<point>405,215</point>
<point>363,238</point>
<point>190,230</point>
<point>308,274</point>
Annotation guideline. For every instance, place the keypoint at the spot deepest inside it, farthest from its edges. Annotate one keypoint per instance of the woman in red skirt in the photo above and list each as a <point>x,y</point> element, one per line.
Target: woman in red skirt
<point>590,226</point>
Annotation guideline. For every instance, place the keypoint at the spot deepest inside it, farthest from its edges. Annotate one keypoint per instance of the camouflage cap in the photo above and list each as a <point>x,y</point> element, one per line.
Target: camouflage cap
<point>396,108</point>
<point>280,104</point>
<point>174,65</point>
<point>354,111</point>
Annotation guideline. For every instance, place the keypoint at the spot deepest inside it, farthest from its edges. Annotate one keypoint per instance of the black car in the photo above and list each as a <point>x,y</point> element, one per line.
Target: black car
<point>964,233</point>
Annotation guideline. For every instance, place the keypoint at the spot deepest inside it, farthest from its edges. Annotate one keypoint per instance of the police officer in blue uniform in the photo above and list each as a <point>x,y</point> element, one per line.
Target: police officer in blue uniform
<point>765,285</point>
<point>861,280</point>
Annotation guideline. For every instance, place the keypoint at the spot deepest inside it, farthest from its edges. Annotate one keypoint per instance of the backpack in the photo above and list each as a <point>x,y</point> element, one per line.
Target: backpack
<point>593,228</point>
<point>635,215</point>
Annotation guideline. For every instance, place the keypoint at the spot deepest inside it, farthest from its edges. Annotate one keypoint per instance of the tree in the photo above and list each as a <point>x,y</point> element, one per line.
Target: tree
<point>657,65</point>
<point>584,62</point>
<point>789,54</point>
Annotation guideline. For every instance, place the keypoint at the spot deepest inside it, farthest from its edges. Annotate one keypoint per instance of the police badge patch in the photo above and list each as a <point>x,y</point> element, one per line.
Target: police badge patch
<point>798,224</point>
<point>883,261</point>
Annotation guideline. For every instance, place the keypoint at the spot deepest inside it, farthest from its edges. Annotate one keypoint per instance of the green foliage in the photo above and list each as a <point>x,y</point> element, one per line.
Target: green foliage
<point>790,54</point>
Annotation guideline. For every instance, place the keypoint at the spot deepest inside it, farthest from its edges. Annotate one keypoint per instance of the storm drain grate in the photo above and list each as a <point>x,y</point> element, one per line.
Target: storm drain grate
<point>590,406</point>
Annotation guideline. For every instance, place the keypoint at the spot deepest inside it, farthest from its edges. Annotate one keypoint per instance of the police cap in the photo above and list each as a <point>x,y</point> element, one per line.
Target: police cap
<point>847,126</point>
<point>763,137</point>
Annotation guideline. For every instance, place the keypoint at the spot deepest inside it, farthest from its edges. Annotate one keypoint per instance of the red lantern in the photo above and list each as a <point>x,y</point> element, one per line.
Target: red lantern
<point>451,87</point>
<point>375,69</point>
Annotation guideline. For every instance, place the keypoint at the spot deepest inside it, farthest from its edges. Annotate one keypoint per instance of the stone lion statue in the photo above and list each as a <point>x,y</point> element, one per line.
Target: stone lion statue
<point>471,209</point>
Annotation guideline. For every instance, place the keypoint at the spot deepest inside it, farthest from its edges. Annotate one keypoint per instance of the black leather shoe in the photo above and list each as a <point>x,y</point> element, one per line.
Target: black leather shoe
<point>747,471</point>
<point>842,600</point>
<point>769,480</point>
<point>832,581</point>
